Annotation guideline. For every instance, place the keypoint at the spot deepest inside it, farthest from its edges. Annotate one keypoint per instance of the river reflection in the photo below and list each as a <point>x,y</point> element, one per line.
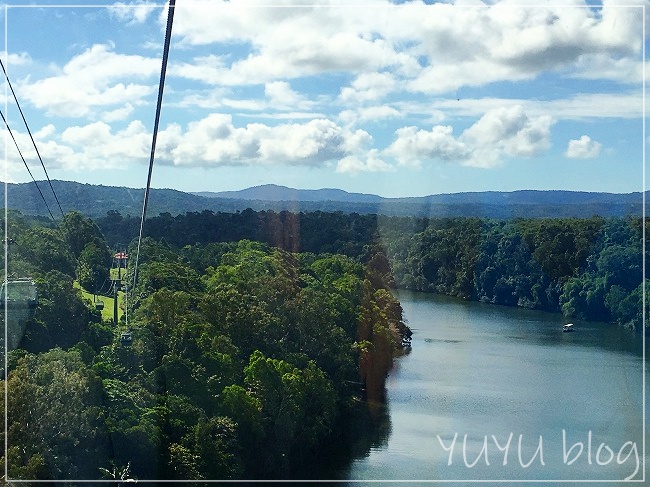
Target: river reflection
<point>499,393</point>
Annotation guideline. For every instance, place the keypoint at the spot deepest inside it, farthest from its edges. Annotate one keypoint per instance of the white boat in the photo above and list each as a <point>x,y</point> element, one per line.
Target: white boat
<point>568,327</point>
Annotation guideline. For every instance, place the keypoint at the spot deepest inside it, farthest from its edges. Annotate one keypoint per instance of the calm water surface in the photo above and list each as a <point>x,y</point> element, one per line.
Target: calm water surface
<point>480,373</point>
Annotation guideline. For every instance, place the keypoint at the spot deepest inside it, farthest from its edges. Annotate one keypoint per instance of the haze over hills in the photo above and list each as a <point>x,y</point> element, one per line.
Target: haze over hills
<point>97,200</point>
<point>273,192</point>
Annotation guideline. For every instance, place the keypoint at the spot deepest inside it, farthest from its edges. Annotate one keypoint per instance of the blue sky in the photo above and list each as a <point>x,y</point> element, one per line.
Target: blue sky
<point>396,100</point>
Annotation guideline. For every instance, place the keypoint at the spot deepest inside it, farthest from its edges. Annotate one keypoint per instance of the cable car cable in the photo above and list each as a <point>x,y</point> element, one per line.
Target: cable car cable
<point>26,166</point>
<point>31,136</point>
<point>161,86</point>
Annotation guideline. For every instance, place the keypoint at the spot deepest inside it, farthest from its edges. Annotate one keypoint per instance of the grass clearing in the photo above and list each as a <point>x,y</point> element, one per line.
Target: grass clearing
<point>107,312</point>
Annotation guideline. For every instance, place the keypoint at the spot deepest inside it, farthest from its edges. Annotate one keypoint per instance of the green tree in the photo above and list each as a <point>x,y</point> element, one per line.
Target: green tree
<point>287,395</point>
<point>93,267</point>
<point>62,318</point>
<point>80,231</point>
<point>45,250</point>
<point>55,417</point>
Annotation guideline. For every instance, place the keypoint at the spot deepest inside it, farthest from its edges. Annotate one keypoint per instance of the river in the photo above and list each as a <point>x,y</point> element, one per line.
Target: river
<point>523,400</point>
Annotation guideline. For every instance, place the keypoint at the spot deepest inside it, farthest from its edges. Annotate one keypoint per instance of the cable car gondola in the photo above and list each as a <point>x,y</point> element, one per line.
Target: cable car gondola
<point>19,299</point>
<point>19,293</point>
<point>126,338</point>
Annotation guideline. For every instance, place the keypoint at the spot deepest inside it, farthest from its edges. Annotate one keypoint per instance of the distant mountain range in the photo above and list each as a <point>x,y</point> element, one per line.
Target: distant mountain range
<point>97,200</point>
<point>273,192</point>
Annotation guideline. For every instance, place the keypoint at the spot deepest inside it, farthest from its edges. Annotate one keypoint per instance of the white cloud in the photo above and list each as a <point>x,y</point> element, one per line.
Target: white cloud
<point>244,104</point>
<point>118,114</point>
<point>96,145</point>
<point>599,66</point>
<point>211,141</point>
<point>581,106</point>
<point>285,42</point>
<point>413,146</point>
<point>369,114</point>
<point>473,47</point>
<point>45,132</point>
<point>356,141</point>
<point>368,87</point>
<point>134,12</point>
<point>215,140</point>
<point>18,59</point>
<point>97,77</point>
<point>210,69</point>
<point>315,141</point>
<point>371,163</point>
<point>206,99</point>
<point>510,130</point>
<point>501,132</point>
<point>423,48</point>
<point>281,96</point>
<point>583,148</point>
<point>285,115</point>
<point>52,153</point>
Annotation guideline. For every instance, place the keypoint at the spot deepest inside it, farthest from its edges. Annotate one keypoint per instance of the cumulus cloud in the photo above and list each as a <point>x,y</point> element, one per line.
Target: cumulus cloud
<point>97,145</point>
<point>501,132</point>
<point>412,146</point>
<point>429,49</point>
<point>371,163</point>
<point>52,153</point>
<point>86,147</point>
<point>511,131</point>
<point>18,59</point>
<point>278,96</point>
<point>134,12</point>
<point>118,114</point>
<point>583,148</point>
<point>507,41</point>
<point>45,132</point>
<point>408,47</point>
<point>212,141</point>
<point>215,140</point>
<point>285,42</point>
<point>98,77</point>
<point>281,96</point>
<point>368,87</point>
<point>369,114</point>
<point>420,48</point>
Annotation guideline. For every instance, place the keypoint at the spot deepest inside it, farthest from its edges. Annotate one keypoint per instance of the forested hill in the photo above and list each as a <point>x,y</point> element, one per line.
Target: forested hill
<point>251,362</point>
<point>97,200</point>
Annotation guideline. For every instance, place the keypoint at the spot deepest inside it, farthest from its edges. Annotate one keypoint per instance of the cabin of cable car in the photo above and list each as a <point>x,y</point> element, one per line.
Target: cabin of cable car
<point>126,338</point>
<point>19,298</point>
<point>19,293</point>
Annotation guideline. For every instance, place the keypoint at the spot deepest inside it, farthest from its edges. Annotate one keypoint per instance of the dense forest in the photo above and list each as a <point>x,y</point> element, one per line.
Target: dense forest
<point>254,340</point>
<point>586,268</point>
<point>243,361</point>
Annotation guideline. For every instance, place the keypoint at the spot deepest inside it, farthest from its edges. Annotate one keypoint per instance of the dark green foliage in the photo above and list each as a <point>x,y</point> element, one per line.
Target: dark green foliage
<point>239,366</point>
<point>532,263</point>
<point>57,428</point>
<point>93,266</point>
<point>246,356</point>
<point>45,250</point>
<point>79,231</point>
<point>585,268</point>
<point>62,319</point>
